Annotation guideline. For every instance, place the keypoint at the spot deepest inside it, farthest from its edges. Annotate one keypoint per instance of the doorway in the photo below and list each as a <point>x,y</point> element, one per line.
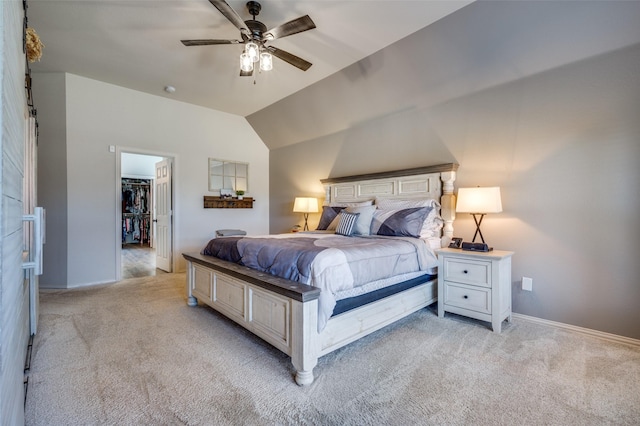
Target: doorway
<point>142,200</point>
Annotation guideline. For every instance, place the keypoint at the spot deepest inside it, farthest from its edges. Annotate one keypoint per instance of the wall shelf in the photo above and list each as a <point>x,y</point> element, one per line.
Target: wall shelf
<point>211,202</point>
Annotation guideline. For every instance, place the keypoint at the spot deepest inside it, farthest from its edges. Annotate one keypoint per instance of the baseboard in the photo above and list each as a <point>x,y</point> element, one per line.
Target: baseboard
<point>589,332</point>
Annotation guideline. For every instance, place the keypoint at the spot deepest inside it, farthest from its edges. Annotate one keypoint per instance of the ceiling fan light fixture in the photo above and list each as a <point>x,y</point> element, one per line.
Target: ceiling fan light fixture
<point>253,50</point>
<point>255,34</point>
<point>266,61</point>
<point>246,63</point>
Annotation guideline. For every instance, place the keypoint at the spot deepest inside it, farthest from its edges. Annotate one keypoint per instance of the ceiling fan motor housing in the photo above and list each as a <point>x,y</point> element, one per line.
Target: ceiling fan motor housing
<point>257,28</point>
<point>254,8</point>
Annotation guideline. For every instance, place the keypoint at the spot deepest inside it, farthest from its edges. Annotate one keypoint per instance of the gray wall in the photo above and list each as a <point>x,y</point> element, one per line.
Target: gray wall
<point>52,174</point>
<point>539,98</point>
<point>14,304</point>
<point>81,119</point>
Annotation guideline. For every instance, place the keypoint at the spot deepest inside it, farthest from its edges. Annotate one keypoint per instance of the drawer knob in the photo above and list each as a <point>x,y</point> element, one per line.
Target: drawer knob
<point>465,296</point>
<point>465,271</point>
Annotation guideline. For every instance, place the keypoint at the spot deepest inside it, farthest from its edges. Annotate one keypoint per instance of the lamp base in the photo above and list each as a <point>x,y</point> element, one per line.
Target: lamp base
<point>476,247</point>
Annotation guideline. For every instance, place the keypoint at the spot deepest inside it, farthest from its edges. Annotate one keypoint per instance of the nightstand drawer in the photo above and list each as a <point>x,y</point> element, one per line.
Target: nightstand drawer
<point>467,271</point>
<point>467,297</point>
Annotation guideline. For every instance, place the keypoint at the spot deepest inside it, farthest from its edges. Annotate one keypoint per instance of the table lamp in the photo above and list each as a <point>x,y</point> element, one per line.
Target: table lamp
<point>305,205</point>
<point>478,201</point>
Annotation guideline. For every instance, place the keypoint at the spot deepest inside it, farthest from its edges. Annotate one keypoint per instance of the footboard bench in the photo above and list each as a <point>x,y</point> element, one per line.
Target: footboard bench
<point>284,313</point>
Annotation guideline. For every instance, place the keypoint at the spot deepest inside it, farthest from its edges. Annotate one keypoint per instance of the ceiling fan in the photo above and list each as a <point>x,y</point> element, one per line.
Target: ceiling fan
<point>255,36</point>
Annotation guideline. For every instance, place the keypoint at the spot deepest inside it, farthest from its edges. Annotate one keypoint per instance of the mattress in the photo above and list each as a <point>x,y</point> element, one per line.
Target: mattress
<point>340,266</point>
<point>351,302</point>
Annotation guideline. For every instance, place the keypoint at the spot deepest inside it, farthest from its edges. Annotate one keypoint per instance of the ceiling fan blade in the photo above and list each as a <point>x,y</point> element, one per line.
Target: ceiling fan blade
<point>246,73</point>
<point>231,15</point>
<point>290,58</point>
<point>207,42</point>
<point>296,26</point>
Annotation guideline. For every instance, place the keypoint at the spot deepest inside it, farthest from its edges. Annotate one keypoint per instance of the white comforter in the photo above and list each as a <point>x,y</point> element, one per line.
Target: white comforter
<point>350,262</point>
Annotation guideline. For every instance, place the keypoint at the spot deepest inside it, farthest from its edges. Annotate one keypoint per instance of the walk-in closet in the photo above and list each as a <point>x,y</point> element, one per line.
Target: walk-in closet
<point>137,204</point>
<point>137,233</point>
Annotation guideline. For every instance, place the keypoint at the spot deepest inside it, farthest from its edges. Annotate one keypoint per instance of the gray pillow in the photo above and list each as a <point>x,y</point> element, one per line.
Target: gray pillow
<point>328,215</point>
<point>363,225</point>
<point>399,223</point>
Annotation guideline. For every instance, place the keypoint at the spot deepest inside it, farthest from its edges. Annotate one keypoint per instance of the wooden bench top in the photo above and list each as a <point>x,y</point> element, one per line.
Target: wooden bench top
<point>291,289</point>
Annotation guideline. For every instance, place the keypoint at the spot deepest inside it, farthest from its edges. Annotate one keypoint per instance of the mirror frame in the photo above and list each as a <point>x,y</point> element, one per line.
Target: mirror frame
<point>228,175</point>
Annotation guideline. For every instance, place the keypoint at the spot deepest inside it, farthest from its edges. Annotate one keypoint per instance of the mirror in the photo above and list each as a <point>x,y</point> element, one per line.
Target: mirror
<point>228,175</point>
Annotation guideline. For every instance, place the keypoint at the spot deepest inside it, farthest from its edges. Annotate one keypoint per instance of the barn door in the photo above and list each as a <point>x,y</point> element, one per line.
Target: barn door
<point>164,215</point>
<point>33,225</point>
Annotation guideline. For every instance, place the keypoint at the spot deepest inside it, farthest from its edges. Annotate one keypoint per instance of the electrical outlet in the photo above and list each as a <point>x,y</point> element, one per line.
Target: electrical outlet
<point>527,284</point>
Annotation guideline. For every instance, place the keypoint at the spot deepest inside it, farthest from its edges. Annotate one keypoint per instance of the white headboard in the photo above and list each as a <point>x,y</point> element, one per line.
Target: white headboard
<point>423,182</point>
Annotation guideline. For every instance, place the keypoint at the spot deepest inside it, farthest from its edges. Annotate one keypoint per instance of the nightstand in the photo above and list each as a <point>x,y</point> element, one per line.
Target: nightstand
<point>475,284</point>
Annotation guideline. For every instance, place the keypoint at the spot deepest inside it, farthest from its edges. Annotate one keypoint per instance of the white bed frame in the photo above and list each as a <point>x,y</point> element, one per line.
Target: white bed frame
<point>285,313</point>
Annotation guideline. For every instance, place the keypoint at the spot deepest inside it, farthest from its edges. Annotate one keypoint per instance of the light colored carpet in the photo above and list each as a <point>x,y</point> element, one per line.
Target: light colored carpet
<point>135,353</point>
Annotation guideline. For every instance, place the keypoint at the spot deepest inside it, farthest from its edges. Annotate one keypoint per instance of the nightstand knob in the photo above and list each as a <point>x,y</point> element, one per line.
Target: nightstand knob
<point>465,271</point>
<point>465,296</point>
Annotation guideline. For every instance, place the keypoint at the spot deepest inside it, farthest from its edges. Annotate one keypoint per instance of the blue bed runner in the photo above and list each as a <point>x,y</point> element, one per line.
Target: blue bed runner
<point>289,258</point>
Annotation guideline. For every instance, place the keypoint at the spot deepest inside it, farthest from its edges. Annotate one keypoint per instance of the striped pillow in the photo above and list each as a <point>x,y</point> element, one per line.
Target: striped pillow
<point>347,223</point>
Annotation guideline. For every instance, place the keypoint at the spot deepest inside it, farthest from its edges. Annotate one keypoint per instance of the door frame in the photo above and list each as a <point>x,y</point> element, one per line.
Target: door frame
<point>118,213</point>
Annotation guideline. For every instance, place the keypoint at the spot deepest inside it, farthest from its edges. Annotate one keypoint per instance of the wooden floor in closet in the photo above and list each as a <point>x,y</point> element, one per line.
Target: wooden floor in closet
<point>139,261</point>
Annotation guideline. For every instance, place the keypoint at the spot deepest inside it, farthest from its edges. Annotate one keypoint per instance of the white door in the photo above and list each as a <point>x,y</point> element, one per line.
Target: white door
<point>34,223</point>
<point>164,215</point>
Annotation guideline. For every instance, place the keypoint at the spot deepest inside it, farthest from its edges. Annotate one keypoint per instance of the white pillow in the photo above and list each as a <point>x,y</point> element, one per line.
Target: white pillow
<point>405,203</point>
<point>354,204</point>
<point>334,223</point>
<point>433,224</point>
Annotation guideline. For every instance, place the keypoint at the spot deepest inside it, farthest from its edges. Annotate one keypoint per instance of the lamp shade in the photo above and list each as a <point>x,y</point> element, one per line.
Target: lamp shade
<point>246,63</point>
<point>479,200</point>
<point>253,51</point>
<point>305,205</point>
<point>266,61</point>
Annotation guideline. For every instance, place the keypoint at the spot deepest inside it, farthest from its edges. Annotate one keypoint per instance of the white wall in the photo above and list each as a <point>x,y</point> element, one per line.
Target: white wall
<point>14,307</point>
<point>138,165</point>
<point>100,115</point>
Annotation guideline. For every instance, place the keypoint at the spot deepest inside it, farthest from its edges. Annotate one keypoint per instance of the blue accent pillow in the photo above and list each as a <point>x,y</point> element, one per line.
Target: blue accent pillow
<point>399,223</point>
<point>347,223</point>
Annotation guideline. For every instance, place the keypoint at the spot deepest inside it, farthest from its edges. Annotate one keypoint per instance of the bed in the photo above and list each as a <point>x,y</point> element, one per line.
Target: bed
<point>307,317</point>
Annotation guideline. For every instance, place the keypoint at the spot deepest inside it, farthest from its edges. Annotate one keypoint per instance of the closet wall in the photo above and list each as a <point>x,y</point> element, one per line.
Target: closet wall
<point>137,205</point>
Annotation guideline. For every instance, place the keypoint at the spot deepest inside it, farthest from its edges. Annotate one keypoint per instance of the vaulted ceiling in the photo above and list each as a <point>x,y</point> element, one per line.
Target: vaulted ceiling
<point>484,46</point>
<point>136,44</point>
